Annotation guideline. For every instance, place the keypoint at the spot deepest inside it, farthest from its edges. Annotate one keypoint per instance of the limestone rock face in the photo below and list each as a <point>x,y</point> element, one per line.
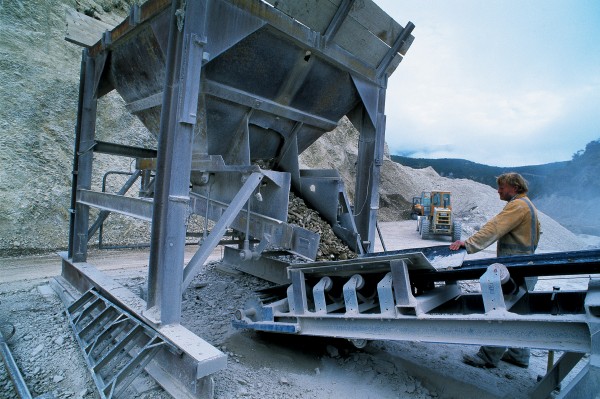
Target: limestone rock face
<point>39,85</point>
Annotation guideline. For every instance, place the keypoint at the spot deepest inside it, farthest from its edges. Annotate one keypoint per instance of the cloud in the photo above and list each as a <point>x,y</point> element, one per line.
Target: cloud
<point>480,76</point>
<point>469,112</point>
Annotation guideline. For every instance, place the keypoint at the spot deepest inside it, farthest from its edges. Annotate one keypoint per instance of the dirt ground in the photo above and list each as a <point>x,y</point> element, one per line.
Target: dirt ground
<point>259,365</point>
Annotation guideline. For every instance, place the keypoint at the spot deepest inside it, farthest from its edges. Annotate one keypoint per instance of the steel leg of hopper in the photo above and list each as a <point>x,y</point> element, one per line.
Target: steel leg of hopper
<point>82,176</point>
<point>171,199</point>
<point>371,125</point>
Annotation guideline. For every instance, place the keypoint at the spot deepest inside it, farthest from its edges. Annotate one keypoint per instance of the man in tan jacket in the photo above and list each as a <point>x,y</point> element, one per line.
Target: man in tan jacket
<point>517,230</point>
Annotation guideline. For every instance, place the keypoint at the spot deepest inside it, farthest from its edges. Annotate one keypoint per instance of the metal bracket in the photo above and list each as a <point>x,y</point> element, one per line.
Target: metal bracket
<point>319,290</point>
<point>386,295</point>
<point>401,281</point>
<point>296,293</point>
<point>355,283</point>
<point>190,78</point>
<point>491,289</point>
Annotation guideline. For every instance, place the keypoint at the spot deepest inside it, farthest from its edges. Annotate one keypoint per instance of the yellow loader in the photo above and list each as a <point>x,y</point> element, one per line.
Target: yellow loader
<point>434,215</point>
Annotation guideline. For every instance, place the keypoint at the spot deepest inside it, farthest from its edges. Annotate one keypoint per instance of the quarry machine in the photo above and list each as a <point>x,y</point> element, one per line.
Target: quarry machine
<point>435,216</point>
<point>234,91</point>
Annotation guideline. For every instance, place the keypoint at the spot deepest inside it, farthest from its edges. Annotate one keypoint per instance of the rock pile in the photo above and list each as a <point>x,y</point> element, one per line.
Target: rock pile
<point>330,246</point>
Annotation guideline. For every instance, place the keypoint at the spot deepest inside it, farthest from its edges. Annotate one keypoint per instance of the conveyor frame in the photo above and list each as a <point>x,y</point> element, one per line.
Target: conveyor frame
<point>380,301</point>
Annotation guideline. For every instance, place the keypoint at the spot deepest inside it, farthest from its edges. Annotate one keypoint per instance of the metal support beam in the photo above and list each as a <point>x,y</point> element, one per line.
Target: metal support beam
<point>82,179</point>
<point>154,100</point>
<point>544,334</point>
<point>224,92</point>
<point>296,293</point>
<point>283,235</point>
<point>370,158</point>
<point>550,264</point>
<point>76,155</point>
<point>586,383</point>
<point>123,150</point>
<point>241,198</point>
<point>104,214</point>
<point>392,52</point>
<point>551,381</point>
<point>340,15</point>
<point>134,207</point>
<point>241,97</point>
<point>401,281</point>
<point>178,117</point>
<point>386,295</point>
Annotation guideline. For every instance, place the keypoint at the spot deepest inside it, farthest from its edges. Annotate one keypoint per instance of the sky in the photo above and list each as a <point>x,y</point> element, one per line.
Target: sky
<point>503,83</point>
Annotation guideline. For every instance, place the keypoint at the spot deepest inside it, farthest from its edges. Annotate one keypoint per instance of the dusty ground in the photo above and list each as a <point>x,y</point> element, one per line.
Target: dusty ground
<point>259,365</point>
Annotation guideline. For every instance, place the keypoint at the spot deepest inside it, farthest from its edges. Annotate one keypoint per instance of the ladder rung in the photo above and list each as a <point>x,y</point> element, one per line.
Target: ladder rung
<point>74,307</point>
<point>109,333</point>
<point>135,366</point>
<point>112,354</point>
<point>93,305</point>
<point>116,345</point>
<point>107,315</point>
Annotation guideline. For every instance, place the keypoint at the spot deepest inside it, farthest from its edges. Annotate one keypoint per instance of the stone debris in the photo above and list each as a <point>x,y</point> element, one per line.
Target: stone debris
<point>330,246</point>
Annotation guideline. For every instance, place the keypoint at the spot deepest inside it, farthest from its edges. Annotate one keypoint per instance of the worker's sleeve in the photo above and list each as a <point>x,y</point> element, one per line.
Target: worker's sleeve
<point>511,216</point>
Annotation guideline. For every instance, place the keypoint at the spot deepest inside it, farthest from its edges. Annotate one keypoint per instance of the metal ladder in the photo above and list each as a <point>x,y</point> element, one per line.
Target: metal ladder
<point>116,345</point>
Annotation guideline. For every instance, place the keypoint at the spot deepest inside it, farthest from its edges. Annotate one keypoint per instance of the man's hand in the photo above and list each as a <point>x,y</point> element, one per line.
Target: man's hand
<point>457,245</point>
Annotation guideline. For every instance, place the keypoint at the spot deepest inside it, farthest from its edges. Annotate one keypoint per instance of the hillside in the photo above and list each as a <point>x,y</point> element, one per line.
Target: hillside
<point>563,190</point>
<point>571,193</point>
<point>39,84</point>
<point>462,169</point>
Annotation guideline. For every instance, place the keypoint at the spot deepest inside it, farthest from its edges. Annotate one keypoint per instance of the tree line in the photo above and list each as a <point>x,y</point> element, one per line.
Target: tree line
<point>579,176</point>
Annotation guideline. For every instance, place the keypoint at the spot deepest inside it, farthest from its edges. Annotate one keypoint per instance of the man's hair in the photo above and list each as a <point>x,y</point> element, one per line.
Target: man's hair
<point>514,180</point>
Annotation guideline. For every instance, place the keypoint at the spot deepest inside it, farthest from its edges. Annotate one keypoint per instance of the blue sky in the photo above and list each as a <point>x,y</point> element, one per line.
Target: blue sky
<point>504,83</point>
